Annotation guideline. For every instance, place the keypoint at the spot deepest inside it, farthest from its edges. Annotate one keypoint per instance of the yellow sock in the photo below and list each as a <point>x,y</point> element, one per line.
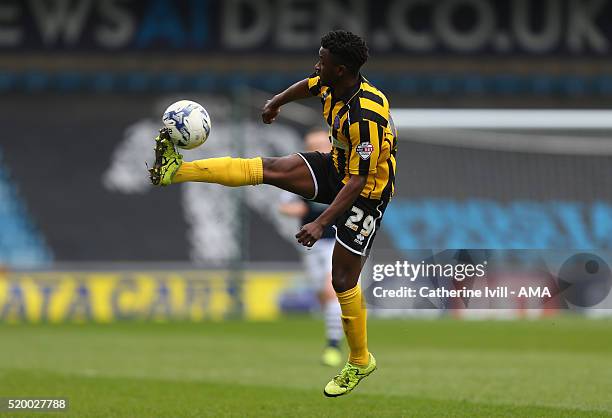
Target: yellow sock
<point>227,171</point>
<point>354,324</point>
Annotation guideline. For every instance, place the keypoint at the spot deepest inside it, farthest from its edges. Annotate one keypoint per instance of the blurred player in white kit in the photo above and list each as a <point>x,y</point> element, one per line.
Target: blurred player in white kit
<point>318,259</point>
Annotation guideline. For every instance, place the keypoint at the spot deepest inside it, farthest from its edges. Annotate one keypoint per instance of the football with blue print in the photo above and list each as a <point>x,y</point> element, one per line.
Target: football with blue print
<point>188,122</point>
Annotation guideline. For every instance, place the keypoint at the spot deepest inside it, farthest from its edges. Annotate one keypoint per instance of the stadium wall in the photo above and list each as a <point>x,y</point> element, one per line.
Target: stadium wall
<point>170,295</point>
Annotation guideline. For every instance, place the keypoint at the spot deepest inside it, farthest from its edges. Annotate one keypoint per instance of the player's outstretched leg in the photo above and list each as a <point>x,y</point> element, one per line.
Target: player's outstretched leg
<point>289,173</point>
<point>361,363</point>
<point>169,167</point>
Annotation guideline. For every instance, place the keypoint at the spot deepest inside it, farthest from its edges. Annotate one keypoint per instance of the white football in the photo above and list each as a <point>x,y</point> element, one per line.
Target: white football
<point>188,122</point>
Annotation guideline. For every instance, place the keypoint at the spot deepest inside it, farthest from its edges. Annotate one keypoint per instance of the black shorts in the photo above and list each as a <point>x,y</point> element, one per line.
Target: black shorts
<point>355,228</point>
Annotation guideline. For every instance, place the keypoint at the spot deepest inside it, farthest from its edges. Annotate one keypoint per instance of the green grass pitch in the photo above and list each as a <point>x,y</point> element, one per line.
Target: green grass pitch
<point>557,367</point>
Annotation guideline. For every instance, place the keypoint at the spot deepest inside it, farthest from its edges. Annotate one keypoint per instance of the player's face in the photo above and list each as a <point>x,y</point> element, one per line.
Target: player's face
<point>328,71</point>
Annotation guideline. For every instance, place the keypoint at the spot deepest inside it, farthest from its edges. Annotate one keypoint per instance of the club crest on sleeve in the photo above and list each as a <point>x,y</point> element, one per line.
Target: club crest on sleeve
<point>364,150</point>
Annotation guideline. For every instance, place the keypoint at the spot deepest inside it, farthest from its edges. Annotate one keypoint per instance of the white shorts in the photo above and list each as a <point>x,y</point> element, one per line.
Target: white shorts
<point>318,262</point>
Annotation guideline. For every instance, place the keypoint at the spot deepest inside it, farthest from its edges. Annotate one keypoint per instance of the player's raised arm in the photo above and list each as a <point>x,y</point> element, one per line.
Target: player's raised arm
<point>297,91</point>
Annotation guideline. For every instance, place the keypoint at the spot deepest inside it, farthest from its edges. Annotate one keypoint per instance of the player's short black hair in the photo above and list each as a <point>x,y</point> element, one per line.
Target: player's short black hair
<point>347,48</point>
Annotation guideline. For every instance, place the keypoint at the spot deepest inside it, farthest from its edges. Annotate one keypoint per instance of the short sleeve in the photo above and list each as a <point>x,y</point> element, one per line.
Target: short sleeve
<point>314,85</point>
<point>365,137</point>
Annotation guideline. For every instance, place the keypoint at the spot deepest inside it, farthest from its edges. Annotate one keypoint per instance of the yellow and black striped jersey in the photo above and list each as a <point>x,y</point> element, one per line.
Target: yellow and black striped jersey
<point>363,137</point>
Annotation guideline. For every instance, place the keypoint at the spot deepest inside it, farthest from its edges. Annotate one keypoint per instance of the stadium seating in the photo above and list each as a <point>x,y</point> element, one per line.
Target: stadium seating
<point>429,84</point>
